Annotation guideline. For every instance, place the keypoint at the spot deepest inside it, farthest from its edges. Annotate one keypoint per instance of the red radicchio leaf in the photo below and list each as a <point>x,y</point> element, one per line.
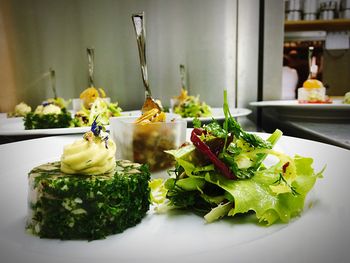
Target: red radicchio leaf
<point>204,149</point>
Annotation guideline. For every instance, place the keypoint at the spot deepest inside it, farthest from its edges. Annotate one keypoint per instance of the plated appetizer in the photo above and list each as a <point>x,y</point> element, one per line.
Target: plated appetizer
<point>50,114</point>
<point>222,173</point>
<point>87,194</point>
<point>93,102</point>
<point>54,113</point>
<point>188,106</point>
<point>313,91</point>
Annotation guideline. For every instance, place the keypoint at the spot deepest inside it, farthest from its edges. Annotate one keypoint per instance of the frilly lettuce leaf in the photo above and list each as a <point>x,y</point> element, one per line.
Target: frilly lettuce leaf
<point>256,195</point>
<point>273,194</point>
<point>158,191</point>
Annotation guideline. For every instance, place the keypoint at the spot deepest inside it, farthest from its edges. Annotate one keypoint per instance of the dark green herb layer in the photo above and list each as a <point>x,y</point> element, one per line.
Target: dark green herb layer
<point>87,207</point>
<point>47,121</point>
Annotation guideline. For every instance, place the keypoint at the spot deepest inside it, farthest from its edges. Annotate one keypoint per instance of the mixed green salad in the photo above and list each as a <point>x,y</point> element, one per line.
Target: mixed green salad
<point>222,173</point>
<point>190,106</point>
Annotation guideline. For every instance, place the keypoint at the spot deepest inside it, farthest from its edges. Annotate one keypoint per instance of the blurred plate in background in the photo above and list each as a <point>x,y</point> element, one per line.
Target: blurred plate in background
<point>218,114</point>
<point>15,127</point>
<point>292,110</point>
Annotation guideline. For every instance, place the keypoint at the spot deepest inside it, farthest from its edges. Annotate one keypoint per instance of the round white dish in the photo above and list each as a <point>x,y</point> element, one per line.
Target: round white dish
<point>336,105</point>
<point>320,234</point>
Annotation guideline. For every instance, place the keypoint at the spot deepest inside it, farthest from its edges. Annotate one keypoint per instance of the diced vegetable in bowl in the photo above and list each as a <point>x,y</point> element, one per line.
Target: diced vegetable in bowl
<point>145,142</point>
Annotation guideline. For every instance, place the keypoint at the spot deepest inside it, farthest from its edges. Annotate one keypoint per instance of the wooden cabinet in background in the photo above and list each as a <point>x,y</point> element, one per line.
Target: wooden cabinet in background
<point>317,25</point>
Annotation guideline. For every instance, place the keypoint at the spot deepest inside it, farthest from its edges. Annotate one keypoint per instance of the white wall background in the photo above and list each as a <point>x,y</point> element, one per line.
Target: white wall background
<point>248,50</point>
<point>273,49</point>
<point>217,40</point>
<point>48,33</point>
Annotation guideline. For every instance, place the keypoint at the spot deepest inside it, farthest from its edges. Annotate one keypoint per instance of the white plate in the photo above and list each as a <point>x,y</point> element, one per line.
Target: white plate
<point>218,114</point>
<point>292,110</point>
<point>321,234</point>
<point>15,127</point>
<point>336,105</point>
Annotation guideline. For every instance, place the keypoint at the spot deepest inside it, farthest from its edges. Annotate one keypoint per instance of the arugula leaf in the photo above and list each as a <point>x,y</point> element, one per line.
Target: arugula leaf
<point>233,127</point>
<point>196,123</point>
<point>216,130</point>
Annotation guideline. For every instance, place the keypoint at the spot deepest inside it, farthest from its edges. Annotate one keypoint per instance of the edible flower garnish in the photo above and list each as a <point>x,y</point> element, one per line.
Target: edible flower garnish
<point>60,102</point>
<point>46,103</point>
<point>97,131</point>
<point>95,128</point>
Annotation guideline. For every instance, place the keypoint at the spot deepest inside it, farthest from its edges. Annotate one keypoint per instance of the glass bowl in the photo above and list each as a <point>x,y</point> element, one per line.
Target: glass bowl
<point>146,143</point>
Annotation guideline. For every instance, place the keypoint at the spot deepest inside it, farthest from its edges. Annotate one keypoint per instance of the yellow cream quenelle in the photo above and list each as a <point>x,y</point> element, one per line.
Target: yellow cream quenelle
<point>90,156</point>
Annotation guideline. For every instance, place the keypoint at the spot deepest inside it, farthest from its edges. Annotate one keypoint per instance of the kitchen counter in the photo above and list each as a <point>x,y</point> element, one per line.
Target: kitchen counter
<point>332,133</point>
<point>335,133</point>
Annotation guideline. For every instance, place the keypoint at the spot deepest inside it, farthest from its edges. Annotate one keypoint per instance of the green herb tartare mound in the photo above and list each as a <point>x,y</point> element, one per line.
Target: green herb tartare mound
<point>47,121</point>
<point>86,207</point>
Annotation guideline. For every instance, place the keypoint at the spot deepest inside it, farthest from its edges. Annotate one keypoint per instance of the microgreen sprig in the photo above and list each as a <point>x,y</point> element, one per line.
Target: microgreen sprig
<point>282,179</point>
